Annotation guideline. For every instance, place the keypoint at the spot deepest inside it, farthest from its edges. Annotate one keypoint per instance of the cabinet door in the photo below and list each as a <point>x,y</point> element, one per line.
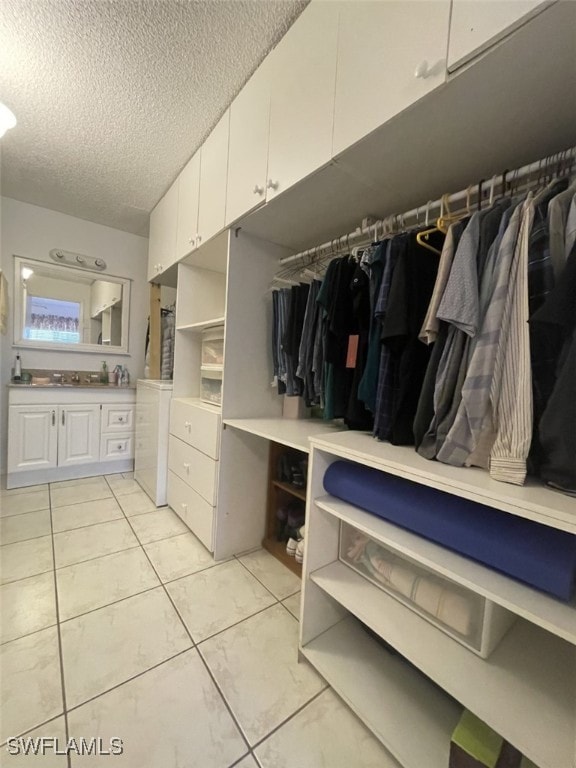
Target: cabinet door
<point>302,99</point>
<point>213,173</point>
<point>476,24</point>
<point>390,54</point>
<point>162,238</point>
<point>248,147</point>
<point>32,437</point>
<point>188,196</point>
<point>78,434</point>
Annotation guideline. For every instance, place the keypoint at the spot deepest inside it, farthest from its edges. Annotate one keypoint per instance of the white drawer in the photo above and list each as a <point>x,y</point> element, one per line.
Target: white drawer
<point>117,446</point>
<point>194,467</point>
<point>192,509</point>
<point>117,418</point>
<point>196,425</point>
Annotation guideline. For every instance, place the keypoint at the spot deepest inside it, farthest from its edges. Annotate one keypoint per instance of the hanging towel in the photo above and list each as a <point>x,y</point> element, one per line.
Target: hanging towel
<point>3,303</point>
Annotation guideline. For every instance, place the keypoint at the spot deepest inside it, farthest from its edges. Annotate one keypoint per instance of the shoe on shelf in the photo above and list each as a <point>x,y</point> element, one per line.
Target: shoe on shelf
<point>302,532</point>
<point>299,554</point>
<point>291,547</point>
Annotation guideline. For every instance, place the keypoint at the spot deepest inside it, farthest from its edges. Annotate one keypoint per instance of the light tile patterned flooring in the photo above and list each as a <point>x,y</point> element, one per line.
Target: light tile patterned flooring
<point>117,622</point>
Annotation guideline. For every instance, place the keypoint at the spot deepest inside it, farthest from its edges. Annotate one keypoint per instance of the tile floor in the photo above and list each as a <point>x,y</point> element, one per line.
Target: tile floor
<point>116,622</point>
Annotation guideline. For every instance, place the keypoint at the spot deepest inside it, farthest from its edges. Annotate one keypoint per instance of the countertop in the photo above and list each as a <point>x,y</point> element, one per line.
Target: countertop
<point>80,385</point>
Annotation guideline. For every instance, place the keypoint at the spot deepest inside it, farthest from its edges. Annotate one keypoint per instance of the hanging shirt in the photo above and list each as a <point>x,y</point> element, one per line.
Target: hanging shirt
<point>570,234</point>
<point>557,428</point>
<point>306,348</point>
<point>465,433</point>
<point>558,209</point>
<point>375,263</point>
<point>410,292</point>
<point>511,390</point>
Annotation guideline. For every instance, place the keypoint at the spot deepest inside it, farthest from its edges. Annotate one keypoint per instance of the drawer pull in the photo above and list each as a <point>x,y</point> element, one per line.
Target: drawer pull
<point>186,467</point>
<point>120,418</point>
<point>187,425</point>
<point>184,507</point>
<point>120,448</point>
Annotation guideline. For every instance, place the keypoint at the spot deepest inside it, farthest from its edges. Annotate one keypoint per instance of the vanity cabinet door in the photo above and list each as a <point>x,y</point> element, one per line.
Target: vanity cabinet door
<point>32,437</point>
<point>79,434</point>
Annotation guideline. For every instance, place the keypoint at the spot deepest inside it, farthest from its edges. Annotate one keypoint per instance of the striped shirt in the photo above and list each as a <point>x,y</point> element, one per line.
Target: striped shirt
<point>511,390</point>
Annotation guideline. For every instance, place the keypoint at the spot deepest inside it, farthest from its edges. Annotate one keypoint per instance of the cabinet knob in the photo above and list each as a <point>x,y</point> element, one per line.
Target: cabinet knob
<point>422,72</point>
<point>120,448</point>
<point>184,507</point>
<point>120,418</point>
<point>190,240</point>
<point>186,467</point>
<point>198,240</point>
<point>273,184</point>
<point>186,425</point>
<point>258,190</point>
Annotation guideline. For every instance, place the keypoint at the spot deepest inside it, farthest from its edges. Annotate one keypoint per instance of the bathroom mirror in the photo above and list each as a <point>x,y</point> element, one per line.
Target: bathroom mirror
<point>62,308</point>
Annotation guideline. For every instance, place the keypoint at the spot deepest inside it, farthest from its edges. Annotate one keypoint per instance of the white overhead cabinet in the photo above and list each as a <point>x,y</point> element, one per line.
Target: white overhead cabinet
<point>302,98</point>
<point>213,176</point>
<point>188,198</point>
<point>248,146</point>
<point>476,24</point>
<point>162,238</point>
<point>390,54</point>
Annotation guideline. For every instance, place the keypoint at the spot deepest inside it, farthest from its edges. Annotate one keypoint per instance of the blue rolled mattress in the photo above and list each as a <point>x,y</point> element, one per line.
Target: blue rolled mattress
<point>540,556</point>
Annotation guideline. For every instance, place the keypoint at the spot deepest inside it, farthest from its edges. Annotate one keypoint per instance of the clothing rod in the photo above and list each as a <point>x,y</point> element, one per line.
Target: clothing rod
<point>474,193</point>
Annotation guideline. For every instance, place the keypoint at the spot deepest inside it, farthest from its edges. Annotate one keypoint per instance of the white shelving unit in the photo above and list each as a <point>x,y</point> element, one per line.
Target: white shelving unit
<point>294,433</point>
<point>199,327</point>
<point>525,690</point>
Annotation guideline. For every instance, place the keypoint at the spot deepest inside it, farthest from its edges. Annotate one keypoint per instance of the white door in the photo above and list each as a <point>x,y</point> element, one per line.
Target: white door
<point>390,54</point>
<point>302,99</point>
<point>213,175</point>
<point>188,196</point>
<point>78,434</point>
<point>476,24</point>
<point>32,437</point>
<point>248,147</point>
<point>162,237</point>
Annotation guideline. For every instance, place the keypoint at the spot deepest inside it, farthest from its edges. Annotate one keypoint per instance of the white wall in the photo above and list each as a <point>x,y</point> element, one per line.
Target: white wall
<point>31,232</point>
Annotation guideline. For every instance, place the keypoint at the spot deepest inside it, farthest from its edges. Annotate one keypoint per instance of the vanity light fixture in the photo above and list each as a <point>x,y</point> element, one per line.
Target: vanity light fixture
<point>77,259</point>
<point>7,119</point>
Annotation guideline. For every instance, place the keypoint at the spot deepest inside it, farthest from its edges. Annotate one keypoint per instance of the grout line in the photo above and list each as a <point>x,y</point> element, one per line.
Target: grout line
<point>34,728</point>
<point>236,623</point>
<point>59,633</point>
<point>89,525</point>
<point>129,680</point>
<point>28,634</point>
<point>107,605</point>
<point>287,720</point>
<point>264,585</point>
<point>97,557</point>
<point>234,720</point>
<point>30,575</point>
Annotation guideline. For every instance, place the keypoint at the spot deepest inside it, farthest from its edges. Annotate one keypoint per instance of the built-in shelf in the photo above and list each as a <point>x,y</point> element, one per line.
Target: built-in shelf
<point>532,501</point>
<point>411,716</point>
<point>293,490</point>
<point>547,612</point>
<point>524,690</point>
<point>199,327</point>
<point>294,433</point>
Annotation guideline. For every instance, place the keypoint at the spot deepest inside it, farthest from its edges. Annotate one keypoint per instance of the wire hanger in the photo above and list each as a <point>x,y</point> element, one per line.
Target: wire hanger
<point>422,237</point>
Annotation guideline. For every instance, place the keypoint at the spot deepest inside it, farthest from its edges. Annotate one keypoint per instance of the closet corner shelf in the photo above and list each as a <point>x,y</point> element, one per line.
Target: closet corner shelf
<point>537,607</point>
<point>524,690</point>
<point>294,433</point>
<point>411,716</point>
<point>199,327</point>
<point>278,549</point>
<point>532,501</point>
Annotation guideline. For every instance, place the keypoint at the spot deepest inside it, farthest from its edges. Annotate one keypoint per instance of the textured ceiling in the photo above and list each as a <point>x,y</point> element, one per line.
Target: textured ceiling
<point>113,96</point>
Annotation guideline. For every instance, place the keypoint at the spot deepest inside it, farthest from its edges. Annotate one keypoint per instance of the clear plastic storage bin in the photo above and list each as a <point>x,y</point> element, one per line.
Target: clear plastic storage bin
<point>213,346</point>
<point>473,620</point>
<point>211,385</point>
